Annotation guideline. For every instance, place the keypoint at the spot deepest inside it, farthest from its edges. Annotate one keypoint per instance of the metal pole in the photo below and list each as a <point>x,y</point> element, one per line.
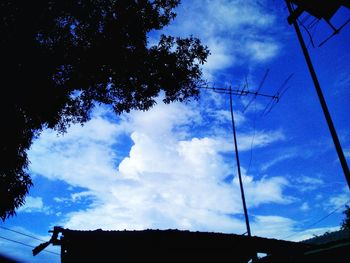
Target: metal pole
<point>239,169</point>
<point>326,113</point>
<point>254,255</point>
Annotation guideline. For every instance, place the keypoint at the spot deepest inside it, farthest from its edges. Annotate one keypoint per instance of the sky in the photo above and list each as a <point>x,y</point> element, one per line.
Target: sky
<point>173,167</point>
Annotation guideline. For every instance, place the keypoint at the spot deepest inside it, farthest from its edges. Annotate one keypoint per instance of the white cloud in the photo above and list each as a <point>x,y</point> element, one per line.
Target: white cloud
<point>261,139</point>
<point>265,190</point>
<point>220,23</point>
<point>338,201</point>
<point>347,153</point>
<point>276,160</point>
<point>33,204</point>
<point>167,179</point>
<point>285,228</point>
<point>221,56</point>
<point>262,50</point>
<point>273,226</point>
<point>310,233</point>
<point>309,180</point>
<point>305,207</point>
<point>82,150</point>
<point>74,197</point>
<point>342,83</point>
<point>224,116</point>
<point>307,183</point>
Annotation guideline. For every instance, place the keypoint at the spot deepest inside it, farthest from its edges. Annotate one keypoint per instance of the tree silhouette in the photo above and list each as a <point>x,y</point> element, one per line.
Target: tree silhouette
<point>346,222</point>
<point>60,58</point>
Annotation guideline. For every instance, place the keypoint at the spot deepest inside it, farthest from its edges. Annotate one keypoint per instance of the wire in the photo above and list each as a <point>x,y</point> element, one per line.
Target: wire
<point>301,23</point>
<point>321,219</point>
<point>18,242</point>
<point>24,244</point>
<point>23,234</point>
<point>336,31</point>
<point>257,91</point>
<point>308,32</point>
<point>331,213</point>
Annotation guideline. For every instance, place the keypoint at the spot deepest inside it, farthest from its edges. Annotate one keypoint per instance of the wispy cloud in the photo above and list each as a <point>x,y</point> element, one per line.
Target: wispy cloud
<point>342,83</point>
<point>220,23</point>
<point>347,153</point>
<point>261,139</point>
<point>338,202</point>
<point>307,183</point>
<point>262,50</point>
<point>34,204</point>
<point>278,159</point>
<point>310,233</point>
<point>305,207</point>
<point>273,226</point>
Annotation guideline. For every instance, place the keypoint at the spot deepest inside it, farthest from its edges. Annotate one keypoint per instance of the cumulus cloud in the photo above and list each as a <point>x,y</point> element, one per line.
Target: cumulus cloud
<point>166,178</point>
<point>82,150</point>
<point>265,190</point>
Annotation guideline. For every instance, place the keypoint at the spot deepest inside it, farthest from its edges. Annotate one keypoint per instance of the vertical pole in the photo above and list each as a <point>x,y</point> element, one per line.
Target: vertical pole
<point>254,255</point>
<point>239,168</point>
<point>326,113</point>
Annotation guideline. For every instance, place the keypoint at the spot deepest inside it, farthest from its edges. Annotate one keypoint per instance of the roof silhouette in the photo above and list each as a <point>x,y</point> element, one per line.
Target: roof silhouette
<point>164,245</point>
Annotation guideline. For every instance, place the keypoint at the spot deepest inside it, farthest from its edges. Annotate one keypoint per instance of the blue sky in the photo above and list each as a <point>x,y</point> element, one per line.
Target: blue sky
<point>174,166</point>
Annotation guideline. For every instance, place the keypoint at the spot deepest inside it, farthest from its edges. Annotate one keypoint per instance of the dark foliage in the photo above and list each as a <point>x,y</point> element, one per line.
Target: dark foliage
<point>346,222</point>
<point>59,58</point>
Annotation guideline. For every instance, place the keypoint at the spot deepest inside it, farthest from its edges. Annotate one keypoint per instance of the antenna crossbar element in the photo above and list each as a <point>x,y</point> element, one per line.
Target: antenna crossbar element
<point>241,92</point>
<point>335,32</point>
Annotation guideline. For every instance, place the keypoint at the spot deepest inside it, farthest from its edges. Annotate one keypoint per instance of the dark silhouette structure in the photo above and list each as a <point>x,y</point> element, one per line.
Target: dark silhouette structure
<point>60,58</point>
<point>321,9</point>
<point>167,245</point>
<point>182,246</point>
<point>329,247</point>
<point>5,259</point>
<point>346,222</point>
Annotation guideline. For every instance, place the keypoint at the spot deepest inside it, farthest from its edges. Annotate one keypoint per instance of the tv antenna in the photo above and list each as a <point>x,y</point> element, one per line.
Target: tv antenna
<point>274,99</point>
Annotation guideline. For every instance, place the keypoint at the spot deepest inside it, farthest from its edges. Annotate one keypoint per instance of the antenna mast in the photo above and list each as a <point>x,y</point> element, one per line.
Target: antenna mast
<point>239,168</point>
<point>243,92</point>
